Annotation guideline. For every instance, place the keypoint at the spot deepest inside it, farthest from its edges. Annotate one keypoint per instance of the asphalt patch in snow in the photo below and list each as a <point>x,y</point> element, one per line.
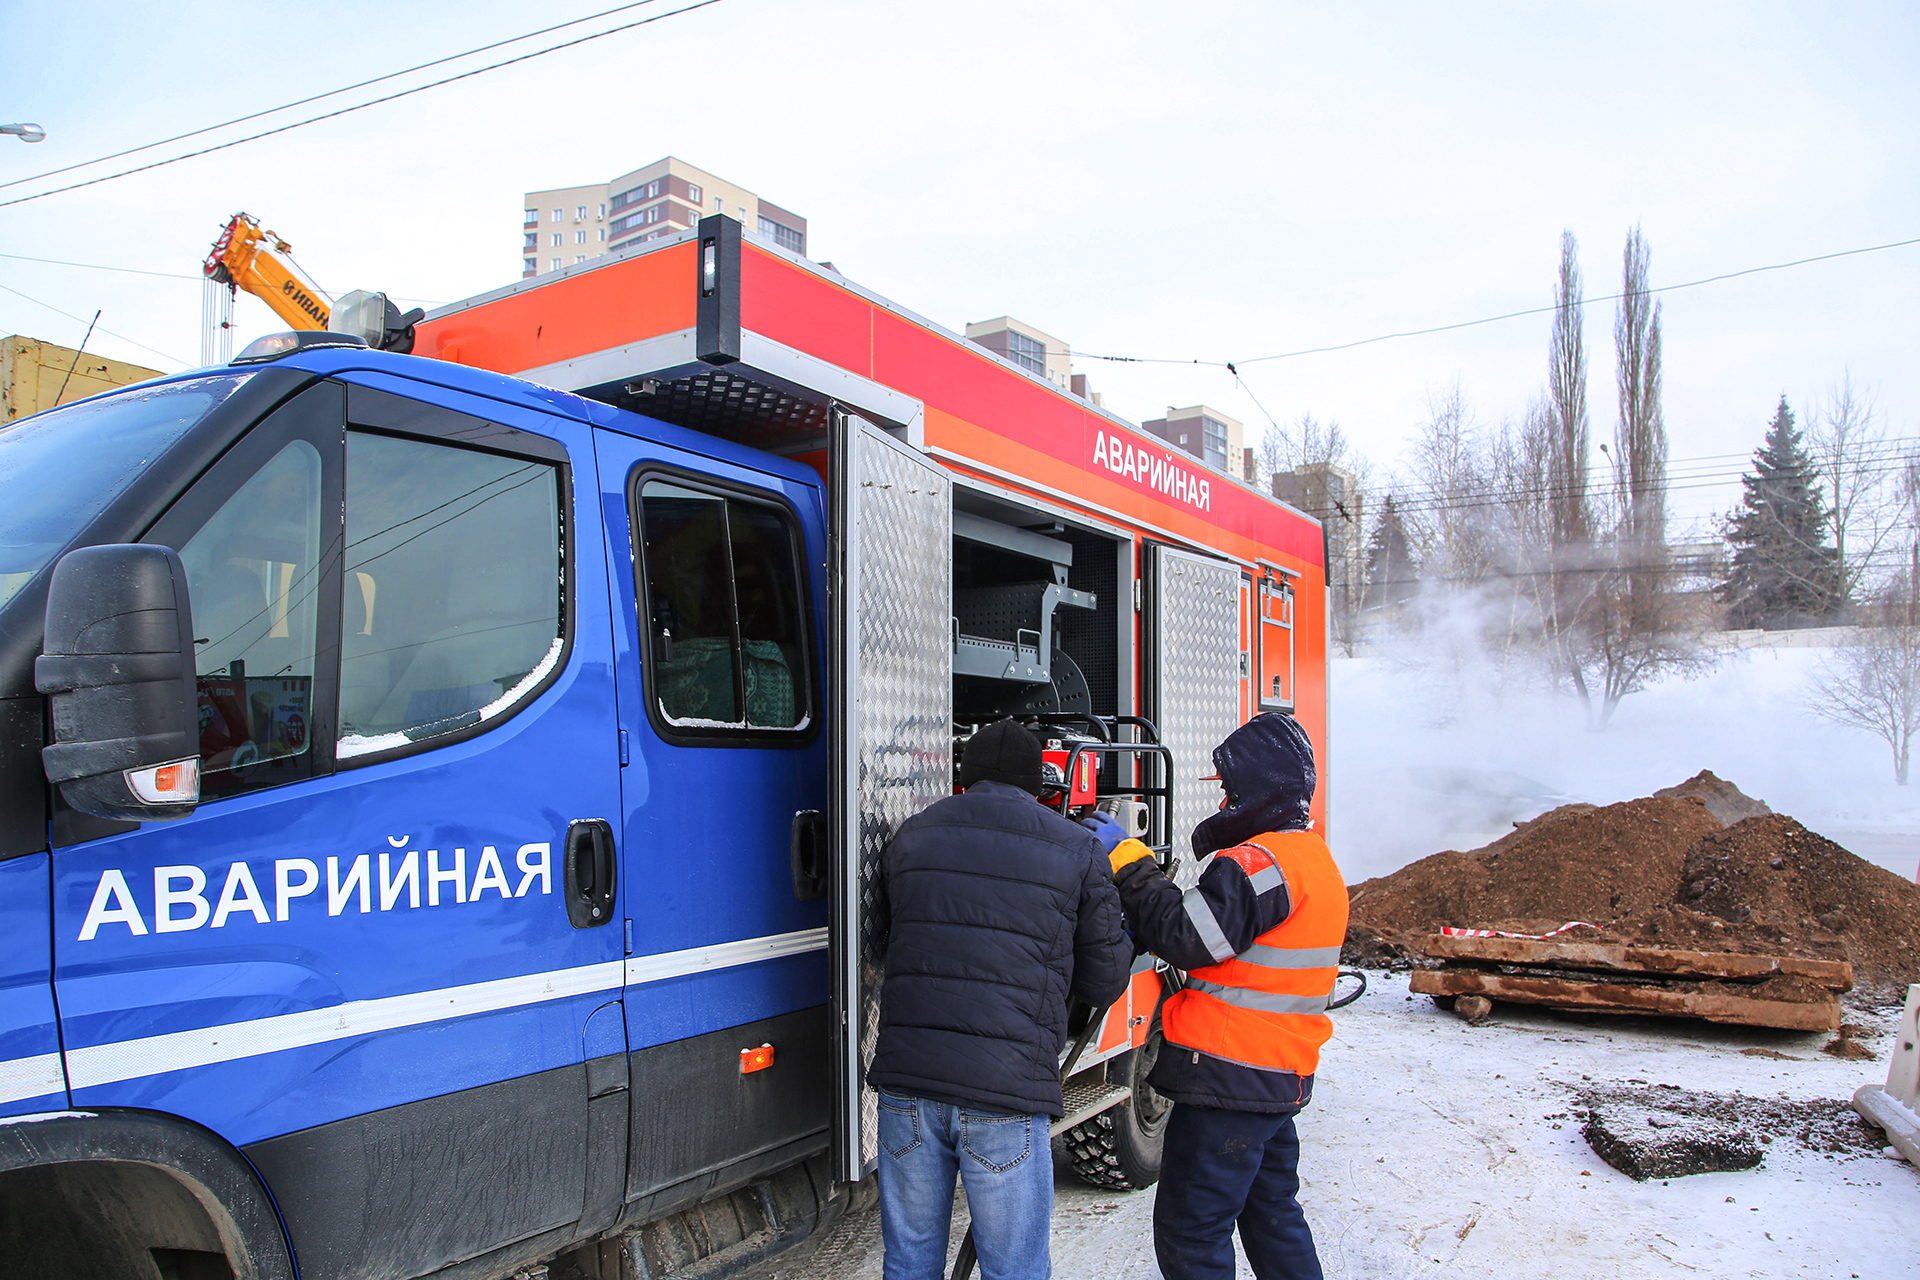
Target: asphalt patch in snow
<point>1664,1131</point>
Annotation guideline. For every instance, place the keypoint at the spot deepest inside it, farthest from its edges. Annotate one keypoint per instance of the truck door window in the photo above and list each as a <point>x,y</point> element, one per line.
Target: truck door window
<point>452,580</point>
<point>253,578</point>
<point>722,611</point>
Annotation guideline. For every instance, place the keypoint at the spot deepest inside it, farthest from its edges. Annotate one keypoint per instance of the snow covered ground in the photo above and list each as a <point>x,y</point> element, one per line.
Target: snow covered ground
<point>1433,1148</point>
<point>1424,758</point>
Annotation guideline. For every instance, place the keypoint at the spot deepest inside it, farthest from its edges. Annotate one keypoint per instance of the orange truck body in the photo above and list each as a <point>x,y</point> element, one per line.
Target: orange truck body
<point>604,328</point>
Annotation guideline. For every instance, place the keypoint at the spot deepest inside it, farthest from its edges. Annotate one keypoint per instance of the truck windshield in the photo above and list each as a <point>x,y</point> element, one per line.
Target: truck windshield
<point>60,468</point>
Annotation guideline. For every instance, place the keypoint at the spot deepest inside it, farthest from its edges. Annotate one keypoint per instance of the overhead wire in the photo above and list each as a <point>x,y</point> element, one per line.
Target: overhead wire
<point>1233,365</point>
<point>164,275</point>
<point>1877,460</point>
<point>330,93</point>
<point>361,106</point>
<point>95,266</point>
<point>80,320</point>
<point>1422,497</point>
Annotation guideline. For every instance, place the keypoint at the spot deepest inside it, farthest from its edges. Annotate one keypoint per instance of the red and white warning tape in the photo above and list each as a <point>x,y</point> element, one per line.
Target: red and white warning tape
<point>1451,932</point>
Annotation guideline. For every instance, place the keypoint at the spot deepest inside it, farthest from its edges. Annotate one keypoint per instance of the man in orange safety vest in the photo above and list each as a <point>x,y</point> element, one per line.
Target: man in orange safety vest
<point>1259,936</point>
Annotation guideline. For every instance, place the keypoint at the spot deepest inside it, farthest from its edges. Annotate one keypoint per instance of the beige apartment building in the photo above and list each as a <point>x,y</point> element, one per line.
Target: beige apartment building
<point>569,225</point>
<point>1036,352</point>
<point>1206,433</point>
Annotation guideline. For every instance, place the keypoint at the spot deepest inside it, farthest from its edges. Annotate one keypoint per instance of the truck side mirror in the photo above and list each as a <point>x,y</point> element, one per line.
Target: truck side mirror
<point>118,672</point>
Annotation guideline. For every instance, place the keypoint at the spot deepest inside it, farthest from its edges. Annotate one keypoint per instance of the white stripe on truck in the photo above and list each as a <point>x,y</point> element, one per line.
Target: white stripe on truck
<point>206,1046</point>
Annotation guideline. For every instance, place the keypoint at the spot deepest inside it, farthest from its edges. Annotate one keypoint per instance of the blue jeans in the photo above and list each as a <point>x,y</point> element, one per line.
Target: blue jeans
<point>1221,1167</point>
<point>1004,1161</point>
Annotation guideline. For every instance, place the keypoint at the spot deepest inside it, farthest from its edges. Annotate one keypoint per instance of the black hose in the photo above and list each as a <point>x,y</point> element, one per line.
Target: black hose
<point>1357,992</point>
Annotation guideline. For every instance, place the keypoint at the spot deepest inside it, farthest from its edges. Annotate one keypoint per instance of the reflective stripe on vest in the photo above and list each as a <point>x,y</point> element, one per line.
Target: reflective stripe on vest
<point>1266,1001</point>
<point>1200,913</point>
<point>1291,957</point>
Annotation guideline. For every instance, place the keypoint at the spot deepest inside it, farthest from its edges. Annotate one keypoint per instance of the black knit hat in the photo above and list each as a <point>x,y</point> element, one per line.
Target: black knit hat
<point>1004,751</point>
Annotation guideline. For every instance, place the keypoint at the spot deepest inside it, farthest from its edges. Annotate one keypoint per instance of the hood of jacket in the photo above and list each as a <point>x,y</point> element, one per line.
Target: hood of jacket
<point>1266,766</point>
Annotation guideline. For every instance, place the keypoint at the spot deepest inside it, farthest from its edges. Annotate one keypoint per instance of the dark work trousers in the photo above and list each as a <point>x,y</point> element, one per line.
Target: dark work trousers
<point>1226,1166</point>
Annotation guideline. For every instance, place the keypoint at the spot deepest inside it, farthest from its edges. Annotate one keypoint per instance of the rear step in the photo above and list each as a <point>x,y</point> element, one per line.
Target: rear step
<point>1086,1098</point>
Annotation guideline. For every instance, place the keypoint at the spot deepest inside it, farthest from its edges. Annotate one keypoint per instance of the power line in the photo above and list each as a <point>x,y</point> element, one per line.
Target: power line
<point>172,275</point>
<point>95,266</point>
<point>1888,457</point>
<point>1231,365</point>
<point>330,93</point>
<point>374,102</point>
<point>78,320</point>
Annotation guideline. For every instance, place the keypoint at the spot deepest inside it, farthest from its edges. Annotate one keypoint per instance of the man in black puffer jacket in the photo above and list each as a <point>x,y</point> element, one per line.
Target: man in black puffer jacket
<point>997,910</point>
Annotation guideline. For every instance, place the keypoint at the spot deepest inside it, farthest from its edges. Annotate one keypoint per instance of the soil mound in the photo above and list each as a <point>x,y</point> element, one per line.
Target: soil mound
<point>1723,800</point>
<point>1659,871</point>
<point>1773,874</point>
<point>1578,862</point>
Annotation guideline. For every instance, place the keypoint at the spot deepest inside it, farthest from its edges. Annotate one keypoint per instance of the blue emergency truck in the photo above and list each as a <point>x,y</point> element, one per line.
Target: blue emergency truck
<point>437,810</point>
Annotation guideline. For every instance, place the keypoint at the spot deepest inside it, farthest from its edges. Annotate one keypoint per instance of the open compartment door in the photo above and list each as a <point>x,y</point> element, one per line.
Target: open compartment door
<point>890,718</point>
<point>1193,678</point>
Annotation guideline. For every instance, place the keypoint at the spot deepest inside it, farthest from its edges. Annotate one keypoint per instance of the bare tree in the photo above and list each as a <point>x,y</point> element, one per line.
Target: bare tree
<point>1562,433</point>
<point>1308,442</point>
<point>1849,441</point>
<point>1274,450</point>
<point>1873,684</point>
<point>1640,439</point>
<point>1567,400</point>
<point>1631,628</point>
<point>1451,523</point>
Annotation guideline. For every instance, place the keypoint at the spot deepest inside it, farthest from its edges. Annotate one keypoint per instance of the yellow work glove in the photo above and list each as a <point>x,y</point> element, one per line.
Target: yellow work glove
<point>1127,851</point>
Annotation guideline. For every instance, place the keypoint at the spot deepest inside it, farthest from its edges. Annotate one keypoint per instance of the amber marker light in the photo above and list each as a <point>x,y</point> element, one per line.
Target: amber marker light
<point>756,1059</point>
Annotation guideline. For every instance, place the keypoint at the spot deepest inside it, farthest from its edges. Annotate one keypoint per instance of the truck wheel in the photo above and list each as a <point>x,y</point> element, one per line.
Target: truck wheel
<point>1120,1148</point>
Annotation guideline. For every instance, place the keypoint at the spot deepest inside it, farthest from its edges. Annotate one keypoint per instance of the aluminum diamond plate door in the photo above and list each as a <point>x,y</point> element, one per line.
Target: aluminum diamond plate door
<point>1193,633</point>
<point>892,725</point>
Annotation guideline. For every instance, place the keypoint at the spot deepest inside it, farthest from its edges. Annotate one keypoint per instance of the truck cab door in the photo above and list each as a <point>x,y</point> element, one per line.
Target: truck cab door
<point>891,721</point>
<point>363,959</point>
<point>714,574</point>
<point>31,1077</point>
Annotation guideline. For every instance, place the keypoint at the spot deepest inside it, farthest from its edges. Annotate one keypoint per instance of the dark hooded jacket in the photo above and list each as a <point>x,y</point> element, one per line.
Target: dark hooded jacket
<point>997,910</point>
<point>1266,767</point>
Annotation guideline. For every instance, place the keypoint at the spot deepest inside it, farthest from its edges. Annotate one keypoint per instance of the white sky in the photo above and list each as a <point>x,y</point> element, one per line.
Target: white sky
<point>1216,180</point>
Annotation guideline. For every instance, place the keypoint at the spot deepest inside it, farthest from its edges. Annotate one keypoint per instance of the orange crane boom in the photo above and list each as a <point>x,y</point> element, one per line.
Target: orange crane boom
<point>246,257</point>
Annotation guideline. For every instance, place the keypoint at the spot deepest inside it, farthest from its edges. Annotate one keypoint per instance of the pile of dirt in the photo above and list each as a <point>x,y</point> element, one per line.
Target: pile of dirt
<point>1659,871</point>
<point>1578,862</point>
<point>1723,800</point>
<point>1773,874</point>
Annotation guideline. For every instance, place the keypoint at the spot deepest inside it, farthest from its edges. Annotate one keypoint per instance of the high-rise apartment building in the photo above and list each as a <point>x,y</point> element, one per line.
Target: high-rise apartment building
<point>569,225</point>
<point>1036,352</point>
<point>1207,434</point>
<point>1332,495</point>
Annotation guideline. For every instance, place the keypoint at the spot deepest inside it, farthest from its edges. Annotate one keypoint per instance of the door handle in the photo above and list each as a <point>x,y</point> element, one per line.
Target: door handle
<point>807,852</point>
<point>590,872</point>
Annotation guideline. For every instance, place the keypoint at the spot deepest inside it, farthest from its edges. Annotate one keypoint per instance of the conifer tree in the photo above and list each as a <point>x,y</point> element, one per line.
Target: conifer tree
<point>1784,572</point>
<point>1392,575</point>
